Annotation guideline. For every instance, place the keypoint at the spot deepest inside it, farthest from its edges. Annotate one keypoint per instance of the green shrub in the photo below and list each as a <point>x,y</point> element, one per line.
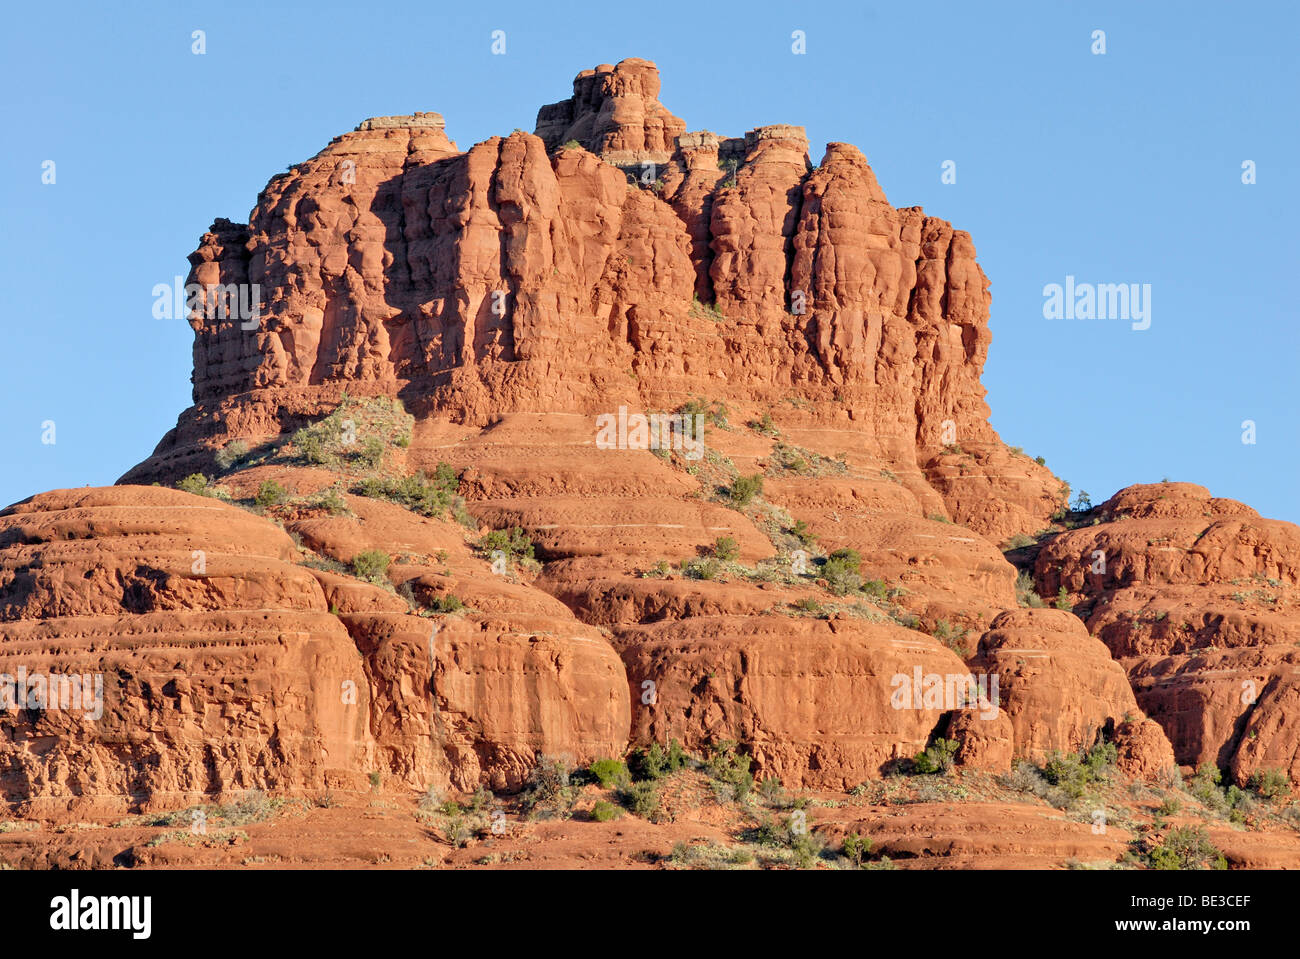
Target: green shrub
<point>771,790</point>
<point>806,845</point>
<point>1170,807</point>
<point>547,783</point>
<point>417,493</point>
<point>1100,758</point>
<point>570,145</point>
<point>251,806</point>
<point>937,758</point>
<point>765,425</point>
<point>1234,803</point>
<point>1269,784</point>
<point>876,588</point>
<point>311,447</point>
<point>1073,772</point>
<point>641,798</point>
<point>1063,600</point>
<point>357,432</point>
<point>231,453</point>
<point>808,605</point>
<point>431,802</point>
<point>655,762</point>
<point>445,476</point>
<point>371,565</point>
<point>1026,594</point>
<point>195,483</point>
<point>745,488</point>
<point>660,570</point>
<point>716,412</point>
<point>331,500</point>
<point>446,603</point>
<point>951,636</point>
<point>769,833</point>
<point>802,533</point>
<point>1203,784</point>
<point>730,767</point>
<point>269,494</point>
<point>462,515</point>
<point>1067,772</point>
<point>609,772</point>
<point>701,568</point>
<point>841,571</point>
<point>788,458</point>
<point>479,800</point>
<point>514,543</point>
<point>676,757</point>
<point>856,849</point>
<point>1240,803</point>
<point>370,454</point>
<point>851,557</point>
<point>807,848</point>
<point>1187,847</point>
<point>604,811</point>
<point>725,549</point>
<point>459,832</point>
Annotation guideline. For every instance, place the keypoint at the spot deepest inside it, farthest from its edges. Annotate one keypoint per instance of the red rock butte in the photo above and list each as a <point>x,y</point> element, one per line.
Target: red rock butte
<point>508,296</point>
<point>532,274</point>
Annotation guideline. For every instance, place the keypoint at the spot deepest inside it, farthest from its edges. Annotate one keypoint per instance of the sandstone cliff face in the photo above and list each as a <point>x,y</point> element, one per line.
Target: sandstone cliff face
<point>227,664</point>
<point>614,112</point>
<point>1062,691</point>
<point>220,664</point>
<point>510,295</point>
<point>525,276</point>
<point>811,699</point>
<point>1197,597</point>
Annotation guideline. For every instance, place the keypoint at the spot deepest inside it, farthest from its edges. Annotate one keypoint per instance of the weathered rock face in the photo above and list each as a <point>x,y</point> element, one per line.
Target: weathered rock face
<point>1060,688</point>
<point>1145,752</point>
<point>1197,598</point>
<point>219,664</point>
<point>524,276</point>
<point>476,697</point>
<point>223,663</point>
<point>615,113</point>
<point>814,701</point>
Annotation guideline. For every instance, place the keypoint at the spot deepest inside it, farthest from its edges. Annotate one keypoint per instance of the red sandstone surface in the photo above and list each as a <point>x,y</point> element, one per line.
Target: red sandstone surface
<point>474,314</point>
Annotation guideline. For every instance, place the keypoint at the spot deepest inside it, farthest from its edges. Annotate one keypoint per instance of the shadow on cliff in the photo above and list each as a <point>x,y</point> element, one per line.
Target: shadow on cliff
<point>432,337</point>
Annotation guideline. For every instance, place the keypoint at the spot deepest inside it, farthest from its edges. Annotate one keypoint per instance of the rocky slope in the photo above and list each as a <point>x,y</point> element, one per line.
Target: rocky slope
<point>473,316</point>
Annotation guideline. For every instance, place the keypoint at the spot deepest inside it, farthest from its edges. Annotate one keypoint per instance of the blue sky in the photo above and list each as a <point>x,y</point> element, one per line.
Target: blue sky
<point>1117,168</point>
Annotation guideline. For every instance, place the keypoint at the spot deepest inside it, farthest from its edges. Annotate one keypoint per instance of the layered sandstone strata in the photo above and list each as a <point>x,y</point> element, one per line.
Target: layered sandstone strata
<point>1197,597</point>
<point>225,663</point>
<point>510,295</point>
